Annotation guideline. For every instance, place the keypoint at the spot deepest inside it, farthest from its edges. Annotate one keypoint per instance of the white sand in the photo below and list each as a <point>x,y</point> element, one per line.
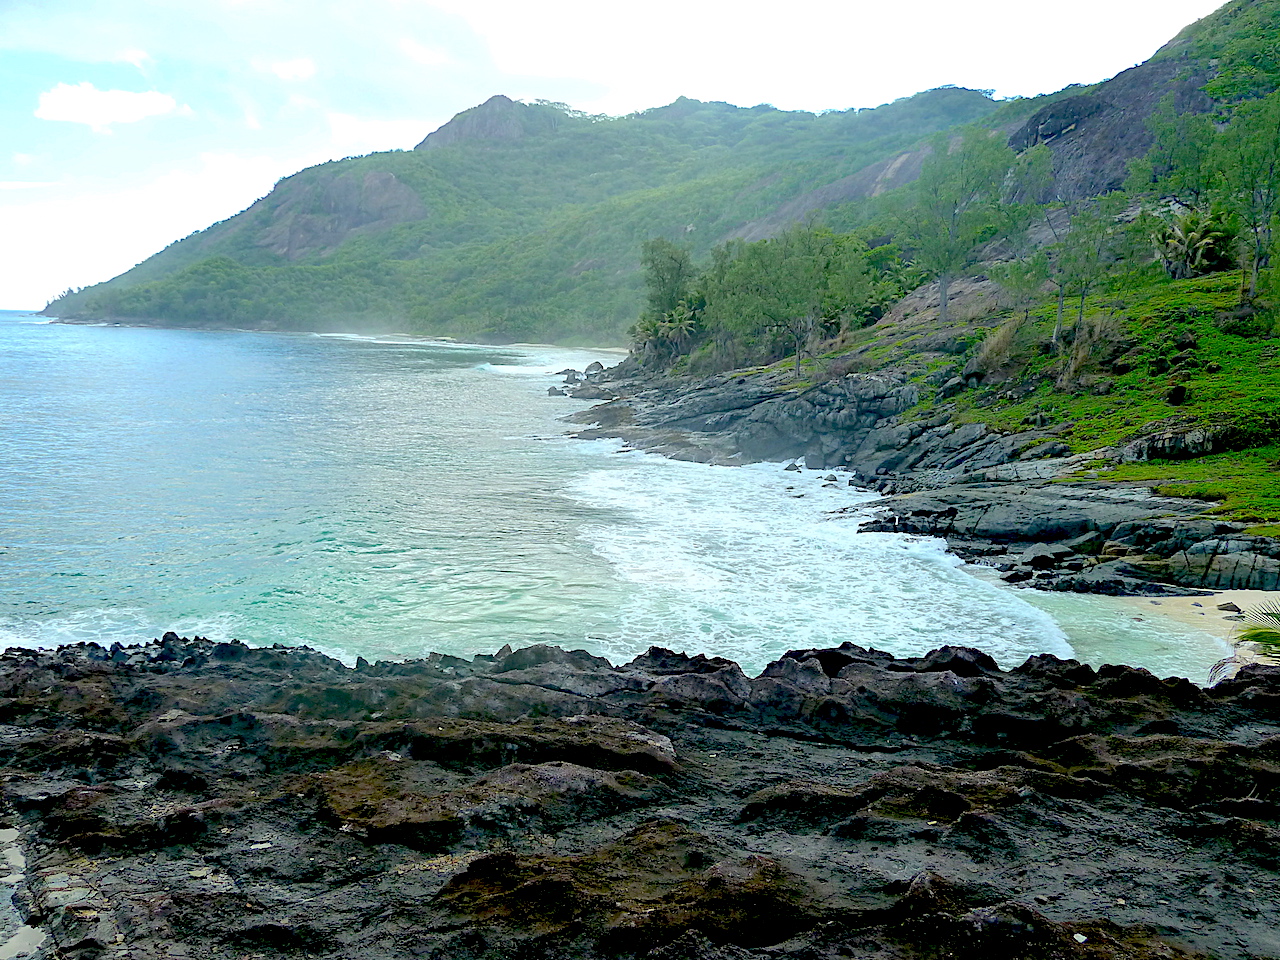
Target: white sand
<point>1201,612</point>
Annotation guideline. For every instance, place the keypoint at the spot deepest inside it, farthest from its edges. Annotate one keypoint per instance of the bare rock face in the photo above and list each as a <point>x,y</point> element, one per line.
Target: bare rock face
<point>497,119</point>
<point>983,490</point>
<point>197,799</point>
<point>316,212</point>
<point>1093,136</point>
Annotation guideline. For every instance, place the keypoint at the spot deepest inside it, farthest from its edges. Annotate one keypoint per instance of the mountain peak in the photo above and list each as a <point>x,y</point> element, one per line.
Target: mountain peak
<point>497,119</point>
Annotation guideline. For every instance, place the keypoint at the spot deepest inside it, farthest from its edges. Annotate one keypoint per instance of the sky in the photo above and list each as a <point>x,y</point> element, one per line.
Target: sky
<point>126,125</point>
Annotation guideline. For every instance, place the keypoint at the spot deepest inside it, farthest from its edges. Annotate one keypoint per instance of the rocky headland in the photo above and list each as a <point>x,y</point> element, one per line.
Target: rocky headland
<point>196,799</point>
<point>1020,501</point>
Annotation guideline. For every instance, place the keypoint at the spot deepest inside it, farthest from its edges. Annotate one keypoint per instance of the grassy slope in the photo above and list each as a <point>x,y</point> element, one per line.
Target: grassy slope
<point>1129,360</point>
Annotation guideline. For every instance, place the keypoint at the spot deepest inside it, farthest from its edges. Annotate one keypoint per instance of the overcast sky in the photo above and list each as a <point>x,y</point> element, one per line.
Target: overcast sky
<point>127,124</point>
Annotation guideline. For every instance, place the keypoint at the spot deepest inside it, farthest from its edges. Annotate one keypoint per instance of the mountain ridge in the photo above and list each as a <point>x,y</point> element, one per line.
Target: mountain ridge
<point>524,220</point>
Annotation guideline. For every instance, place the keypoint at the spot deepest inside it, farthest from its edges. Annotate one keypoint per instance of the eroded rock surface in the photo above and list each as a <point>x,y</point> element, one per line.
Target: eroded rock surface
<point>199,799</point>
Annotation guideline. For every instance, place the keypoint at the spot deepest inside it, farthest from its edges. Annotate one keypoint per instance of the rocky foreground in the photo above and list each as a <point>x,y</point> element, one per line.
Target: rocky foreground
<point>200,799</point>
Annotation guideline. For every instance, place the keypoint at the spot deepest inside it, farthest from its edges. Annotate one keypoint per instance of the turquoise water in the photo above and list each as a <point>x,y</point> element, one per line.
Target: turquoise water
<point>386,497</point>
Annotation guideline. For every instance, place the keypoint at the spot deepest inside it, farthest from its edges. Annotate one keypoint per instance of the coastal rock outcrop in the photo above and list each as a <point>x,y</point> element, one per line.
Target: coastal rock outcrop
<point>991,494</point>
<point>192,798</point>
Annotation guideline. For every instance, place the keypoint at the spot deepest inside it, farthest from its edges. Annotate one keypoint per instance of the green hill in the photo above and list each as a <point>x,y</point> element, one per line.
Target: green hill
<point>512,221</point>
<point>520,221</point>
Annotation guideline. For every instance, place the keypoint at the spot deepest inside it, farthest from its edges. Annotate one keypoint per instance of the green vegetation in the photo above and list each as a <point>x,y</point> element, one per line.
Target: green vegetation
<point>1241,38</point>
<point>1262,626</point>
<point>1243,484</point>
<point>955,204</point>
<point>1172,327</point>
<point>512,239</point>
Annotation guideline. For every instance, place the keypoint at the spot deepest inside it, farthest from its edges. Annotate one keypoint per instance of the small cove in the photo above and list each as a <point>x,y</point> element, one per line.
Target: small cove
<point>386,496</point>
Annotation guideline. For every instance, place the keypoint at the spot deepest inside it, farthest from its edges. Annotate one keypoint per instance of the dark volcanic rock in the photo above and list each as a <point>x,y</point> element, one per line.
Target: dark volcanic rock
<point>1005,513</point>
<point>188,799</point>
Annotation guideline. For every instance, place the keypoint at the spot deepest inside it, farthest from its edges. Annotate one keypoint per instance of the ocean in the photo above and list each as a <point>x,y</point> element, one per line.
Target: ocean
<point>389,496</point>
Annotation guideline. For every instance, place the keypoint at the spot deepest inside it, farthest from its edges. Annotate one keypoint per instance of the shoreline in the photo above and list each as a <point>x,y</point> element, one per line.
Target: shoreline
<point>1202,612</point>
<point>1017,501</point>
<point>141,324</point>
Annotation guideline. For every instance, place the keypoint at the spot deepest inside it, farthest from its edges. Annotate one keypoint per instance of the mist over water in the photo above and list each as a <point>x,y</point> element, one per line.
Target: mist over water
<point>387,497</point>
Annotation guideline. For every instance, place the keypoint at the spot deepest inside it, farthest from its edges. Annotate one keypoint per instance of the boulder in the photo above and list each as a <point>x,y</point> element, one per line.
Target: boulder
<point>1042,556</point>
<point>1089,544</point>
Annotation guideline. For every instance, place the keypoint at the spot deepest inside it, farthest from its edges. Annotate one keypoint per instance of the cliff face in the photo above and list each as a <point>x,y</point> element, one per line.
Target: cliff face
<point>317,215</point>
<point>1093,136</point>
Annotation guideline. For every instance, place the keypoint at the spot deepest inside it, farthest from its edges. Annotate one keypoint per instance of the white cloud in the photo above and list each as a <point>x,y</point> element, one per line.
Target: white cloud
<point>821,54</point>
<point>25,184</point>
<point>23,159</point>
<point>303,68</point>
<point>99,109</point>
<point>356,135</point>
<point>139,58</point>
<point>424,55</point>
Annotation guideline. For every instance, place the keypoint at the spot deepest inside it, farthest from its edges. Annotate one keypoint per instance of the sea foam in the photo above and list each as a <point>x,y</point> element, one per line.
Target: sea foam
<point>748,562</point>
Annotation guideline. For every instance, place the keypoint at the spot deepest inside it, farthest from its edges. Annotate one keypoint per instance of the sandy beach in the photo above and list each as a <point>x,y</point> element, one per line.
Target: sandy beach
<point>1202,612</point>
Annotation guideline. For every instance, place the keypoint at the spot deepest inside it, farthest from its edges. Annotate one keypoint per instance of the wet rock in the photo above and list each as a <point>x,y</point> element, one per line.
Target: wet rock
<point>845,802</point>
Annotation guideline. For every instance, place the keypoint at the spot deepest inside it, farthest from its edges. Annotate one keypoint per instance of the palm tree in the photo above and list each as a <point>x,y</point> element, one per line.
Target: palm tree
<point>1193,244</point>
<point>678,325</point>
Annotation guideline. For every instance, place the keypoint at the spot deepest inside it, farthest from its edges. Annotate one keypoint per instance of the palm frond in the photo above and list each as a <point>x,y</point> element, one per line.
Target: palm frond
<point>1262,625</point>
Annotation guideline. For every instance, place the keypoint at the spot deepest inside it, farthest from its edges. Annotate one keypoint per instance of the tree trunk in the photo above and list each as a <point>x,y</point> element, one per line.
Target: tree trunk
<point>1056,339</point>
<point>1258,253</point>
<point>798,372</point>
<point>944,289</point>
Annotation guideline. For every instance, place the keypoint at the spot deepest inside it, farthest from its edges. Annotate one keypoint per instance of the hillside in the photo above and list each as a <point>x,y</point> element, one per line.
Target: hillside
<point>520,221</point>
<point>511,221</point>
<point>1110,340</point>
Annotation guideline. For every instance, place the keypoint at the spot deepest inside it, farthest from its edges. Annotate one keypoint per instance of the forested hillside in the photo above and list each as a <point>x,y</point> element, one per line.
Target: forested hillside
<point>514,221</point>
<point>521,221</point>
<point>1140,324</point>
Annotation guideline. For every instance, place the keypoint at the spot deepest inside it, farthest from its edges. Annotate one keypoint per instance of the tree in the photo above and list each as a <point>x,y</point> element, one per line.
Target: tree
<point>668,272</point>
<point>955,204</point>
<point>1247,157</point>
<point>1193,244</point>
<point>776,286</point>
<point>1179,164</point>
<point>1082,249</point>
<point>1023,279</point>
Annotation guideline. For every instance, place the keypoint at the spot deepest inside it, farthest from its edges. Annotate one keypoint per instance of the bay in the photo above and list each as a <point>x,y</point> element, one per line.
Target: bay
<point>389,496</point>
